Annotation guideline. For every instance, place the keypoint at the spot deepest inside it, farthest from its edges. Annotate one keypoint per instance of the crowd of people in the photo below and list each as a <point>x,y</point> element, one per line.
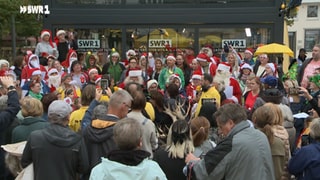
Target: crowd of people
<point>186,115</point>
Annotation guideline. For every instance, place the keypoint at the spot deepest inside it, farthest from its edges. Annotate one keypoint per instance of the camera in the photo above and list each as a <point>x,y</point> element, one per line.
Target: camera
<point>226,48</point>
<point>104,84</point>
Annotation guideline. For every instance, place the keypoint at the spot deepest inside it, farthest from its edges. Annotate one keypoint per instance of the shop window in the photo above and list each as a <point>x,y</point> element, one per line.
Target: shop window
<point>160,40</point>
<point>236,37</point>
<point>312,11</point>
<point>312,37</point>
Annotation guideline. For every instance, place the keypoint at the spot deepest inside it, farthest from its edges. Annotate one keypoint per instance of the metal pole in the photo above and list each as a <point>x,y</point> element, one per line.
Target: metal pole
<point>13,36</point>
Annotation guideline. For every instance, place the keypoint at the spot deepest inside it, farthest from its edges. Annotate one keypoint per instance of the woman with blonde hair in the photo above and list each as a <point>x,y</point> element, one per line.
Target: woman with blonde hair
<point>179,144</point>
<point>268,118</point>
<point>32,111</point>
<point>200,127</point>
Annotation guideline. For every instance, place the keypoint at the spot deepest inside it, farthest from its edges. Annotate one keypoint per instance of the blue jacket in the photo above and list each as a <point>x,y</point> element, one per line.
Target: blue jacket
<point>305,162</point>
<point>113,170</point>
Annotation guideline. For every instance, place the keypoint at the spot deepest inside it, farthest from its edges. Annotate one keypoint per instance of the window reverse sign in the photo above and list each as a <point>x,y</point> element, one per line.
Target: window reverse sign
<point>88,43</point>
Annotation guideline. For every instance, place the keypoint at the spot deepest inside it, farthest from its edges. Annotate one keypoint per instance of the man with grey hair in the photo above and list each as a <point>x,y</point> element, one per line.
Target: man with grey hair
<point>129,161</point>
<point>98,134</point>
<point>243,154</point>
<point>56,151</point>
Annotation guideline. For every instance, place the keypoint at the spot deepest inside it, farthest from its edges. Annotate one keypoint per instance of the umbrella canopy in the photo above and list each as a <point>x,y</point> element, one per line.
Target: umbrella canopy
<point>274,48</point>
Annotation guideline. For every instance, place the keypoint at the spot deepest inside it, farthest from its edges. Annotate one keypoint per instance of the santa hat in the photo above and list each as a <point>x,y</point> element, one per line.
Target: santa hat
<point>246,66</point>
<point>60,32</point>
<point>130,52</point>
<point>3,61</point>
<point>47,32</point>
<point>272,66</point>
<point>171,56</point>
<point>150,82</point>
<point>202,57</point>
<point>92,70</point>
<point>171,77</point>
<point>33,72</point>
<point>71,54</point>
<point>143,55</point>
<point>52,70</point>
<point>97,78</point>
<point>134,73</point>
<point>196,75</point>
<point>52,57</point>
<point>249,50</point>
<point>223,66</point>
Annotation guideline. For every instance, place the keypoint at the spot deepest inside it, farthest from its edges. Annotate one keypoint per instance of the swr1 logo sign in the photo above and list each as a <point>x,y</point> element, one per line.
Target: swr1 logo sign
<point>236,43</point>
<point>159,43</point>
<point>88,43</point>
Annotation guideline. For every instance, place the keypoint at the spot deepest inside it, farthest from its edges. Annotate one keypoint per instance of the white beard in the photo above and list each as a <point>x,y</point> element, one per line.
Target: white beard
<point>55,81</point>
<point>35,64</point>
<point>225,76</point>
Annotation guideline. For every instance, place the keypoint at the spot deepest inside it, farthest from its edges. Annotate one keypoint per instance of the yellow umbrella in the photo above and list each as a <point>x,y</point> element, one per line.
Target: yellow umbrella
<point>274,48</point>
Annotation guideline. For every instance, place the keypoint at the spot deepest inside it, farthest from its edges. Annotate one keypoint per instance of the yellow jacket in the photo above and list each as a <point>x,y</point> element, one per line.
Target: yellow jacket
<point>210,94</point>
<point>76,118</point>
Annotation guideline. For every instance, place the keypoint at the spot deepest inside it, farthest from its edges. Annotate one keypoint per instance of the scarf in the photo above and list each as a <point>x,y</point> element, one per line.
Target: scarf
<point>37,96</point>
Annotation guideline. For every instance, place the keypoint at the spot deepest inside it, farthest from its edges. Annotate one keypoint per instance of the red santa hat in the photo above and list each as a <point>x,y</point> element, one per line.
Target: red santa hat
<point>223,66</point>
<point>47,32</point>
<point>249,50</point>
<point>71,56</point>
<point>196,75</point>
<point>171,56</point>
<point>97,79</point>
<point>52,70</point>
<point>130,52</point>
<point>150,82</point>
<point>171,77</point>
<point>60,32</point>
<point>92,70</point>
<point>33,72</point>
<point>134,73</point>
<point>203,57</point>
<point>31,56</point>
<point>246,66</point>
<point>52,57</point>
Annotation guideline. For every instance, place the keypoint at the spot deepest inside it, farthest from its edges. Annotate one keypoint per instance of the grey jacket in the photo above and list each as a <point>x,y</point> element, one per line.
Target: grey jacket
<point>244,154</point>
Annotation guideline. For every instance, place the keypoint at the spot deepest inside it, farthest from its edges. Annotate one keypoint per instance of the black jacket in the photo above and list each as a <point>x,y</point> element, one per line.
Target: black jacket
<point>56,152</point>
<point>99,139</point>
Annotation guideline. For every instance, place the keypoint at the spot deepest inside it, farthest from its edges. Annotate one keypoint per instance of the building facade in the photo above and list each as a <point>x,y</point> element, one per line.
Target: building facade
<point>166,25</point>
<point>305,32</point>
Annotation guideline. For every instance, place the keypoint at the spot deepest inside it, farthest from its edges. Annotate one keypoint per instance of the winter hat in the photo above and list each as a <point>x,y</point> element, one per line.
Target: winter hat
<point>150,82</point>
<point>71,57</point>
<point>196,75</point>
<point>92,70</point>
<point>3,61</point>
<point>134,73</point>
<point>246,66</point>
<point>52,70</point>
<point>45,32</point>
<point>223,66</point>
<point>249,51</point>
<point>171,77</point>
<point>130,52</point>
<point>97,78</point>
<point>33,72</point>
<point>171,56</point>
<point>202,57</point>
<point>60,32</point>
<point>59,108</point>
<point>270,81</point>
<point>52,57</point>
<point>272,66</point>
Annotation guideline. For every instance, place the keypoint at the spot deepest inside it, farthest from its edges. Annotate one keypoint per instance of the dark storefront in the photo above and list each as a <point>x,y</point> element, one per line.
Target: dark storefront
<point>100,25</point>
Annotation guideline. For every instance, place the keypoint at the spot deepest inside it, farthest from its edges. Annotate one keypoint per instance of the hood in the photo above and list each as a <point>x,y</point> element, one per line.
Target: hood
<point>280,132</point>
<point>30,120</point>
<point>100,130</point>
<point>36,63</point>
<point>61,136</point>
<point>130,158</point>
<point>88,58</point>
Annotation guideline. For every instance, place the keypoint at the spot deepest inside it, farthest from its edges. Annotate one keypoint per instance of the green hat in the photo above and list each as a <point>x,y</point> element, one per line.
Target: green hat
<point>315,79</point>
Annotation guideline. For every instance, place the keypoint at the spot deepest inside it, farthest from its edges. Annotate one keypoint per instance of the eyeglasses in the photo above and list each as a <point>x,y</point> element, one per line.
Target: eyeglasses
<point>129,107</point>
